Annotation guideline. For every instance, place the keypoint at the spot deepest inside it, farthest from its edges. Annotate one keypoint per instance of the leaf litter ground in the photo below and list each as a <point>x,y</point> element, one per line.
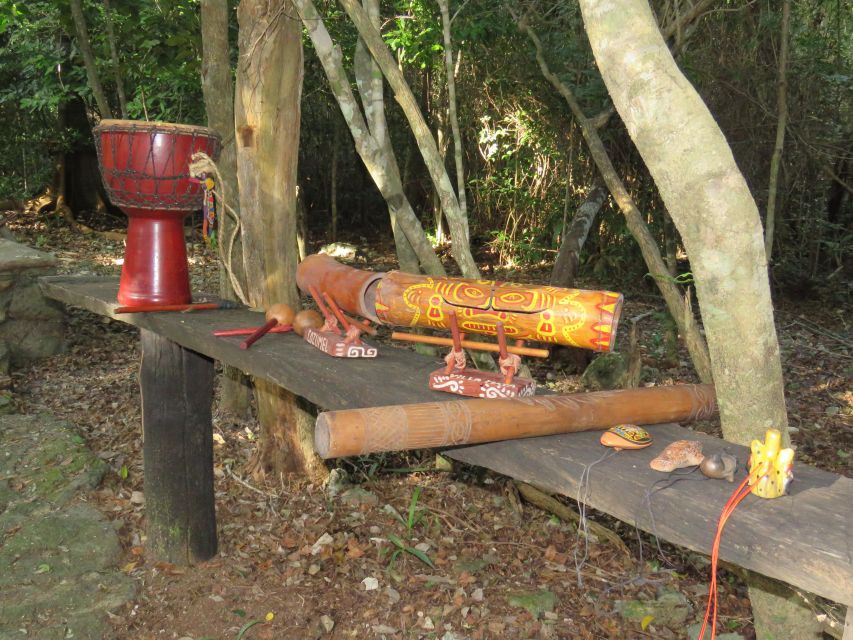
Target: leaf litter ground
<point>393,547</point>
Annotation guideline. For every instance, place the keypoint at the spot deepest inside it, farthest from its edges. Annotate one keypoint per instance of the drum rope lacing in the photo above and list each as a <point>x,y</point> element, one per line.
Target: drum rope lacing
<point>202,164</point>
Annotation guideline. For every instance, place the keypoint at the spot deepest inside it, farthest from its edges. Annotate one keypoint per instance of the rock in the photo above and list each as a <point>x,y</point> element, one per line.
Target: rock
<point>328,623</point>
<point>28,303</point>
<point>31,324</point>
<point>670,609</point>
<point>607,371</point>
<point>15,256</point>
<point>340,250</point>
<point>137,497</point>
<point>58,574</point>
<point>393,594</point>
<point>383,629</point>
<point>30,340</point>
<point>5,357</point>
<point>477,595</point>
<point>336,482</point>
<point>370,583</point>
<point>536,602</point>
<point>357,497</point>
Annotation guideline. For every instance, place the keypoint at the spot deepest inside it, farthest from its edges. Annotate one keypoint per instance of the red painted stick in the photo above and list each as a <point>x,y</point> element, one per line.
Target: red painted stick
<point>345,323</point>
<point>224,333</point>
<point>259,333</point>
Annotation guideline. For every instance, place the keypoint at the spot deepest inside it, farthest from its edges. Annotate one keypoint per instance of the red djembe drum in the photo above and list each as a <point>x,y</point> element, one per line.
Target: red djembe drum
<point>145,169</point>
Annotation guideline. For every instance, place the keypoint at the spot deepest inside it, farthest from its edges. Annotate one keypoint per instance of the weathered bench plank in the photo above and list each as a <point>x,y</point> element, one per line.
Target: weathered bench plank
<point>397,377</point>
<point>802,539</point>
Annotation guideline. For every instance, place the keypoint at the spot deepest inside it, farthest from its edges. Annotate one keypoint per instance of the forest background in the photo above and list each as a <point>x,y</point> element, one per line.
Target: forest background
<point>526,167</point>
<point>523,121</point>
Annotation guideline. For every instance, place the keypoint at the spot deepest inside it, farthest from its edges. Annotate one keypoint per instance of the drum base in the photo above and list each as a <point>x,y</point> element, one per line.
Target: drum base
<point>155,259</point>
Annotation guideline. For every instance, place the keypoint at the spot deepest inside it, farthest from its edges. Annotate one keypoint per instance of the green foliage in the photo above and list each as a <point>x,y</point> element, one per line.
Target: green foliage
<point>41,70</point>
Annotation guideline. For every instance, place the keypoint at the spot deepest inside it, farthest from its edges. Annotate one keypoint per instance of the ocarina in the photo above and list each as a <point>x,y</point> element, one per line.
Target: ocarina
<point>719,465</point>
<point>678,454</point>
<point>626,436</point>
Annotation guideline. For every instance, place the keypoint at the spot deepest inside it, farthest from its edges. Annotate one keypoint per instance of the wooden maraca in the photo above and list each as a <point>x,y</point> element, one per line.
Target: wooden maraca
<point>305,319</point>
<point>277,314</point>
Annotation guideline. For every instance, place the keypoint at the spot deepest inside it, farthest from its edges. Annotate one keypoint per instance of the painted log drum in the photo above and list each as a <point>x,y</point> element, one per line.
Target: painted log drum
<point>348,286</point>
<point>458,422</point>
<point>571,317</point>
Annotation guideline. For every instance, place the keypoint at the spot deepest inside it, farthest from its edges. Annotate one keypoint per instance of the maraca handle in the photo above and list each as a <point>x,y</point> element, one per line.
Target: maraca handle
<point>261,331</point>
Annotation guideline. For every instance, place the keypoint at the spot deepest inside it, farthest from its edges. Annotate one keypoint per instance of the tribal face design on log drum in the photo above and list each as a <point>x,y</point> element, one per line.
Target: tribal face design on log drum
<point>571,317</point>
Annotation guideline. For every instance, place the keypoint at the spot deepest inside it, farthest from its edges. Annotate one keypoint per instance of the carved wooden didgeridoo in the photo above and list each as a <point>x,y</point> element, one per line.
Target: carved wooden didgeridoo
<point>457,422</point>
<point>571,317</point>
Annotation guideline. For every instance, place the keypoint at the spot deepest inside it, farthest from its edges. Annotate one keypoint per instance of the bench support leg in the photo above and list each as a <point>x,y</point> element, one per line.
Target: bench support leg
<point>177,390</point>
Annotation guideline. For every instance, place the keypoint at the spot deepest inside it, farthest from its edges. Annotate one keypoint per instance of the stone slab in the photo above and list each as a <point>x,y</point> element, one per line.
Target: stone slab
<point>58,554</point>
<point>15,256</point>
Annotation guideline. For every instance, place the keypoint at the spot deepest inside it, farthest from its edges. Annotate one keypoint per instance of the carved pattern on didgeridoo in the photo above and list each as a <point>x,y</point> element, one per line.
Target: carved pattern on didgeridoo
<point>385,429</point>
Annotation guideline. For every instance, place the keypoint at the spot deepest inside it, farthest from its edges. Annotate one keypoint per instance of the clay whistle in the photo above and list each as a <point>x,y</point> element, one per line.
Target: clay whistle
<point>677,455</point>
<point>626,436</point>
<point>719,465</point>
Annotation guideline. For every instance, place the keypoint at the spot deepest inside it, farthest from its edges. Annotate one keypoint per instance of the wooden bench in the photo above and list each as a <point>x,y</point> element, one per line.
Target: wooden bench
<point>803,539</point>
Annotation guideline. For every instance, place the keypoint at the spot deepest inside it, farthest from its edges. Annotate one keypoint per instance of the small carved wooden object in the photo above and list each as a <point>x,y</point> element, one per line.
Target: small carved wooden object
<point>457,378</point>
<point>677,455</point>
<point>340,335</point>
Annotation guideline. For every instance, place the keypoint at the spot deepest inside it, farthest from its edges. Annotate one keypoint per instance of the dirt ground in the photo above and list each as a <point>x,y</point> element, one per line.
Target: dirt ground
<point>399,549</point>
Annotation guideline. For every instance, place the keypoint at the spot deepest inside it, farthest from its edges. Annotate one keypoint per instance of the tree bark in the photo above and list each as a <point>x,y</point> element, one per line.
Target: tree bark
<point>452,110</point>
<point>566,265</point>
<point>781,123</point>
<point>218,90</point>
<point>89,59</point>
<point>461,247</point>
<point>671,293</point>
<point>111,38</point>
<point>710,203</point>
<point>368,78</point>
<point>384,173</point>
<point>267,118</point>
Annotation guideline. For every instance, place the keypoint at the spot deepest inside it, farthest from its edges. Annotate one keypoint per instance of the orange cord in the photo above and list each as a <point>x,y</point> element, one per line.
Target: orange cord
<point>742,490</point>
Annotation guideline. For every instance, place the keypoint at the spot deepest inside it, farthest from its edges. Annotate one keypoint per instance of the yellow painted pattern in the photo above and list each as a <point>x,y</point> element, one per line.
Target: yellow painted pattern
<point>554,315</point>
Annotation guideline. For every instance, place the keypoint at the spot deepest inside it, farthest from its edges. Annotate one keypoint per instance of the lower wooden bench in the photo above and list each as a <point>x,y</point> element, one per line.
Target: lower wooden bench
<point>803,539</point>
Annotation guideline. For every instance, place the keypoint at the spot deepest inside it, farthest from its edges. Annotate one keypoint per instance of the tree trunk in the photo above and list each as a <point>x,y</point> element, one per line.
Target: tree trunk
<point>333,186</point>
<point>111,37</point>
<point>566,266</point>
<point>711,205</point>
<point>461,247</point>
<point>218,89</point>
<point>383,171</point>
<point>781,123</point>
<point>671,293</point>
<point>451,108</point>
<point>267,117</point>
<point>368,77</point>
<point>89,59</point>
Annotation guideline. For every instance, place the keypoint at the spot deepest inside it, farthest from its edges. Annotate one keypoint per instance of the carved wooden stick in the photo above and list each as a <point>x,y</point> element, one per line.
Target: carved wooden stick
<point>456,422</point>
<point>468,344</point>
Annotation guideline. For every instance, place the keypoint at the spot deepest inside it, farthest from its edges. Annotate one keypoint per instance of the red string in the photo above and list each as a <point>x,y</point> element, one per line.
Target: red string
<point>742,490</point>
